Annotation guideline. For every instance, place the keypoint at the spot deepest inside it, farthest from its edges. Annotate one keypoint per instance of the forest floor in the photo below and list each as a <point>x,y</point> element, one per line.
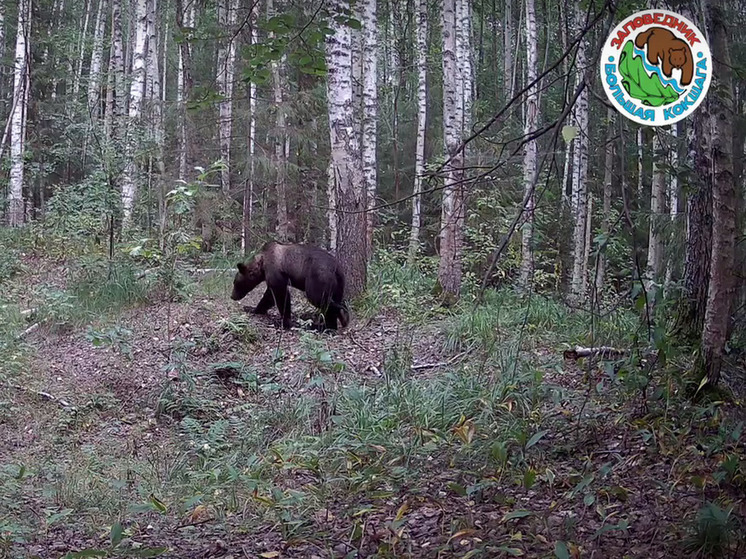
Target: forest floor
<point>198,430</point>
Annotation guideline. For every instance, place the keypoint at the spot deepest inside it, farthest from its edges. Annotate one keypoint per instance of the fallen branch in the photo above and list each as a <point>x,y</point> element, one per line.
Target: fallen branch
<point>441,363</point>
<point>603,351</point>
<point>28,330</point>
<point>45,395</point>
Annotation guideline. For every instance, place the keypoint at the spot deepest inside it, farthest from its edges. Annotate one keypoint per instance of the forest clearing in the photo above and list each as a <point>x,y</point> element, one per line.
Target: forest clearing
<point>385,278</point>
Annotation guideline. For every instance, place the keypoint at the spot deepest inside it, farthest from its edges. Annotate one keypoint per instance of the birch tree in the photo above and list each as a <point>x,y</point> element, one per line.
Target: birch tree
<point>227,10</point>
<point>657,206</point>
<point>453,211</point>
<point>673,198</point>
<point>508,50</point>
<point>16,205</point>
<point>419,166</point>
<point>369,12</point>
<point>137,91</point>
<point>530,149</point>
<point>185,21</point>
<point>248,195</point>
<point>115,91</point>
<point>81,48</point>
<point>97,54</point>
<point>580,173</point>
<point>346,161</point>
<point>721,289</point>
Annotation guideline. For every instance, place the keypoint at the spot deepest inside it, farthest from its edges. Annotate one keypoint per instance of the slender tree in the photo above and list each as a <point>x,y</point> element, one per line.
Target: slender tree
<point>97,54</point>
<point>227,12</point>
<point>580,174</point>
<point>530,149</point>
<point>608,177</point>
<point>657,207</point>
<point>115,91</point>
<point>185,22</point>
<point>673,199</point>
<point>137,91</point>
<point>81,48</point>
<point>346,161</point>
<point>369,12</point>
<point>419,167</point>
<point>248,195</point>
<point>19,109</point>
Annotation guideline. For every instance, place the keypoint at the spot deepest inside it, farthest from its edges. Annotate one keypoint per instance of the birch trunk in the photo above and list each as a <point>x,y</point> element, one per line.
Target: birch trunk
<point>331,193</point>
<point>370,111</point>
<point>657,206</point>
<point>580,173</point>
<point>115,80</point>
<point>137,90</point>
<point>248,195</point>
<point>673,199</point>
<point>225,73</point>
<point>346,161</point>
<point>453,214</point>
<point>185,21</point>
<point>81,49</point>
<point>154,88</point>
<point>608,177</point>
<point>16,204</point>
<point>94,74</point>
<point>508,50</point>
<point>280,136</point>
<point>530,149</point>
<point>722,285</point>
<point>419,166</point>
<point>640,166</point>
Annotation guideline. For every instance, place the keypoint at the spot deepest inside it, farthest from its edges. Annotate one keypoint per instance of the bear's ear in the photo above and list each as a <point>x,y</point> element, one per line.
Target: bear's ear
<point>241,267</point>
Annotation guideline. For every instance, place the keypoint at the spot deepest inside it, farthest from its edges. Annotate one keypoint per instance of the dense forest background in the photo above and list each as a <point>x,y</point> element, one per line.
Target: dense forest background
<point>548,299</point>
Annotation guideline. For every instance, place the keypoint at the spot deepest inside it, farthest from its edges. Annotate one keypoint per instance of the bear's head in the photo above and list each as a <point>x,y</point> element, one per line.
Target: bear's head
<point>248,277</point>
<point>677,57</point>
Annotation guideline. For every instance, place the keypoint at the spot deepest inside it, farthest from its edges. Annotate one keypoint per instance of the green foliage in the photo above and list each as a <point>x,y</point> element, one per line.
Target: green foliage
<point>713,532</point>
<point>639,84</point>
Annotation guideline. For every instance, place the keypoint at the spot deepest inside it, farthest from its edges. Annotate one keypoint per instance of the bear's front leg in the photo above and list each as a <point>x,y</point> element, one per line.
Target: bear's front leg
<point>265,303</point>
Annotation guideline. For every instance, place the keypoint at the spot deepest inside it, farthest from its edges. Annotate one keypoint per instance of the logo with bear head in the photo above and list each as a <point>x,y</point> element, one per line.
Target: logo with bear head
<point>656,67</point>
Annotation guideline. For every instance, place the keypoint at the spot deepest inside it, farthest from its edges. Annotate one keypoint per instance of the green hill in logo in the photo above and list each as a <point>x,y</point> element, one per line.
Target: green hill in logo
<point>638,84</point>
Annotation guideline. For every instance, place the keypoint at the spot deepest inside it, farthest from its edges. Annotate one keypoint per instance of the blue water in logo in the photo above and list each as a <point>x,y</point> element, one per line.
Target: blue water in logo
<point>664,80</point>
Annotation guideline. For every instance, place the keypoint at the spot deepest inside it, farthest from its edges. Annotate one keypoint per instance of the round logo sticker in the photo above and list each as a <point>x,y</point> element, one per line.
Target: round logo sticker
<point>656,67</point>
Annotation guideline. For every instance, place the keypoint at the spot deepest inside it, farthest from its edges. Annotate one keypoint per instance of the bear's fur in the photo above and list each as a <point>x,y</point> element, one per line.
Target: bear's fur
<point>305,267</point>
<point>673,52</point>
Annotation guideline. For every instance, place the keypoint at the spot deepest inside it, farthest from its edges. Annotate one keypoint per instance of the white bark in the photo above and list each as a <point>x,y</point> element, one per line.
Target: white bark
<point>331,192</point>
<point>137,89</point>
<point>227,13</point>
<point>2,31</point>
<point>81,50</point>
<point>370,109</point>
<point>657,206</point>
<point>419,166</point>
<point>280,138</point>
<point>579,175</point>
<point>16,207</point>
<point>115,82</point>
<point>347,162</point>
<point>673,197</point>
<point>187,18</point>
<point>530,149</point>
<point>608,177</point>
<point>640,168</point>
<point>248,196</point>
<point>94,74</point>
<point>453,211</point>
<point>508,50</point>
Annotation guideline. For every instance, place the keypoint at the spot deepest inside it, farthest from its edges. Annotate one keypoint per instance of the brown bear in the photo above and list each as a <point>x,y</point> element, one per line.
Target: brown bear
<point>305,267</point>
<point>673,52</point>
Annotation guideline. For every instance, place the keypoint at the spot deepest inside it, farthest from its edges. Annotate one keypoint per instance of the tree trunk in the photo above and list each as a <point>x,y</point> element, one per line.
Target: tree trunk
<point>331,194</point>
<point>673,200</point>
<point>579,174</point>
<point>508,50</point>
<point>419,166</point>
<point>280,137</point>
<point>722,285</point>
<point>640,167</point>
<point>94,74</point>
<point>453,211</point>
<point>248,195</point>
<point>657,207</point>
<point>346,162</point>
<point>16,205</point>
<point>698,226</point>
<point>608,177</point>
<point>530,149</point>
<point>225,72</point>
<point>157,132</point>
<point>185,21</point>
<point>370,111</point>
<point>115,80</point>
<point>137,89</point>
<point>81,51</point>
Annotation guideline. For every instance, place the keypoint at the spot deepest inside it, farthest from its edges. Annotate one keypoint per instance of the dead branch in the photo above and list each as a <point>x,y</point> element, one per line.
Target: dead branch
<point>28,330</point>
<point>45,395</point>
<point>604,352</point>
